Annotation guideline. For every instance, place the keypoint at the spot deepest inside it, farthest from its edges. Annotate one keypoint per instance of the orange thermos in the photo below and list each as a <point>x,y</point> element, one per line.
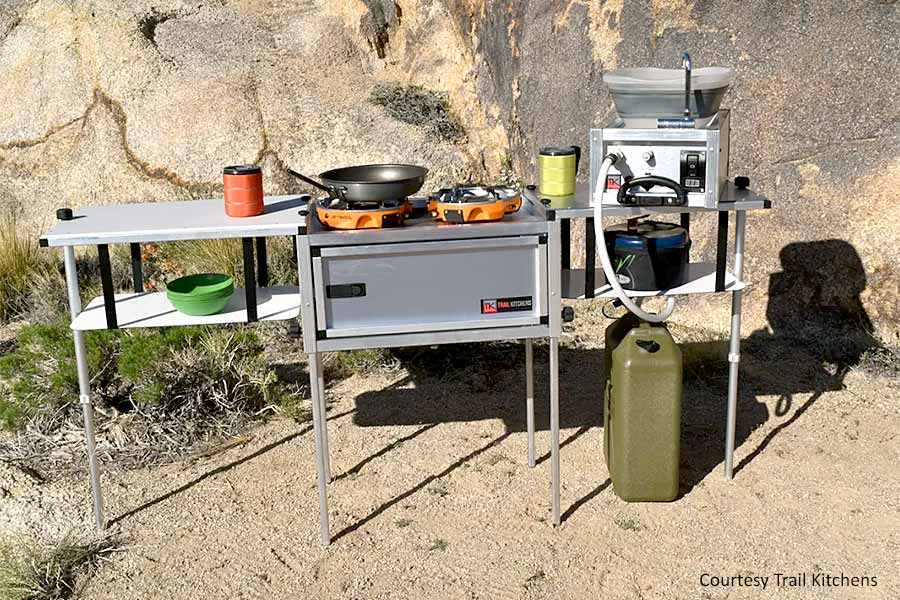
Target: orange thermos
<point>243,190</point>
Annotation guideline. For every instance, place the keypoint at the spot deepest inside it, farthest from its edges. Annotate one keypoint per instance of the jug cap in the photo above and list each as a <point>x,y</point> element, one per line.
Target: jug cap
<point>558,150</point>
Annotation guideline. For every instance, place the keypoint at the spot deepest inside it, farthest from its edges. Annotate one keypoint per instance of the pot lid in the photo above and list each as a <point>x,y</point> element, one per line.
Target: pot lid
<point>663,235</point>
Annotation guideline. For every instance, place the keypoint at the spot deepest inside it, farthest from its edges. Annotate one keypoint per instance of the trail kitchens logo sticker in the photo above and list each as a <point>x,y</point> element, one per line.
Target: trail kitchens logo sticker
<point>502,305</point>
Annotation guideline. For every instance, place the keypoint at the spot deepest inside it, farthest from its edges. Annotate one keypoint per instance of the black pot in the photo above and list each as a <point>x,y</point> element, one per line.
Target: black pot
<point>651,256</point>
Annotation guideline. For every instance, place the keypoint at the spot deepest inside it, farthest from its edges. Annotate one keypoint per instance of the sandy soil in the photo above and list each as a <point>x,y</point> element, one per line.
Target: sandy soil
<point>433,497</point>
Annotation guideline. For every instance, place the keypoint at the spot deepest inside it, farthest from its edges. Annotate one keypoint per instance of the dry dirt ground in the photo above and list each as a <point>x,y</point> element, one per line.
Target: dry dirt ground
<point>433,497</point>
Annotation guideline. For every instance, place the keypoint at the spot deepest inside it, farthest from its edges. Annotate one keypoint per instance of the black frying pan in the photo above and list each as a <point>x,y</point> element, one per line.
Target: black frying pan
<point>370,183</point>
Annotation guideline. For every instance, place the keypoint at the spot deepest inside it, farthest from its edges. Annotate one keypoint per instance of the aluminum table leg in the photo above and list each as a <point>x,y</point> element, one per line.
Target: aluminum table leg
<point>315,367</point>
<point>554,425</point>
<point>529,398</point>
<point>323,417</point>
<point>84,386</point>
<point>734,346</point>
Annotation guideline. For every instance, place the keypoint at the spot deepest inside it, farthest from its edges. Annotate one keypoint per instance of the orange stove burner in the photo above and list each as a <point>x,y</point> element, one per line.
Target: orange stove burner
<point>363,218</point>
<point>471,204</point>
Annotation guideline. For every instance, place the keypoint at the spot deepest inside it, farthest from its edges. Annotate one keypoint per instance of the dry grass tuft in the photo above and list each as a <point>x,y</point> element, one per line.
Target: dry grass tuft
<point>21,261</point>
<point>35,571</point>
<point>158,394</point>
<point>360,362</point>
<point>881,360</point>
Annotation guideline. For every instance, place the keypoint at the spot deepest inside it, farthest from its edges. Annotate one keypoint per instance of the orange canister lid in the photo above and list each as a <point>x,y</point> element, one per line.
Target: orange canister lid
<point>241,170</point>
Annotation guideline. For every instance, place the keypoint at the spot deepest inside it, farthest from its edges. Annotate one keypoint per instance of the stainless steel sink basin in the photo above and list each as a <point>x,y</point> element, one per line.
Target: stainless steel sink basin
<point>659,93</point>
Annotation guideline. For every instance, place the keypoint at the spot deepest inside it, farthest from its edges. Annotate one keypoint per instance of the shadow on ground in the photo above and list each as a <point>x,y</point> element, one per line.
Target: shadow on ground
<point>819,328</point>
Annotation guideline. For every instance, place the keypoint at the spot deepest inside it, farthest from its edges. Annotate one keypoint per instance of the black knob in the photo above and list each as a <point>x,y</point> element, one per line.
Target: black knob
<point>742,183</point>
<point>545,201</point>
<point>64,214</point>
<point>531,187</point>
<point>303,212</point>
<point>568,314</point>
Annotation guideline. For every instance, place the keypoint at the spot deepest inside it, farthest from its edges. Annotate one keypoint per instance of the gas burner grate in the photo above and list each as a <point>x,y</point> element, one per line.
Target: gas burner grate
<point>471,203</point>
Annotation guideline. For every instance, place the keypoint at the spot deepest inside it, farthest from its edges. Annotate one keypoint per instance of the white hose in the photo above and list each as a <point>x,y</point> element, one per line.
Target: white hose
<point>608,270</point>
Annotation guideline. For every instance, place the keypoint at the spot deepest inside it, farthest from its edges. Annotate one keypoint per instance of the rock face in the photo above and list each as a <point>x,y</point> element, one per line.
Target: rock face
<point>110,101</point>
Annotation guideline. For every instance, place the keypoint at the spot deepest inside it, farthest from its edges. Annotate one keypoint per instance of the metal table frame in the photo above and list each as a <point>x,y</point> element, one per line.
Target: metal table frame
<point>287,216</point>
<point>739,201</point>
<point>314,345</point>
<point>135,224</point>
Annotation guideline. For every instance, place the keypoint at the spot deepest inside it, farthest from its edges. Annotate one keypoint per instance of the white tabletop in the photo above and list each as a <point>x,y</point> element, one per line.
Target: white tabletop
<point>164,221</point>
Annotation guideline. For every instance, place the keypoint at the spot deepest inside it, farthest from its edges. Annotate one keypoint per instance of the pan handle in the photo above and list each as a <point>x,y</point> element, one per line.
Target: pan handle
<point>310,181</point>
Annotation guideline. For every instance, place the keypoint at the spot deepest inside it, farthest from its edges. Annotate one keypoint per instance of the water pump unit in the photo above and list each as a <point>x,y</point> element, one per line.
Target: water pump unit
<point>672,138</point>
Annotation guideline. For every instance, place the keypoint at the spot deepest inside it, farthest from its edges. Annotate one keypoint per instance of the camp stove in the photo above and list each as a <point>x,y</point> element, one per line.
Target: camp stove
<point>339,213</point>
<point>432,282</point>
<point>671,137</point>
<point>460,204</point>
<point>427,275</point>
<point>474,203</point>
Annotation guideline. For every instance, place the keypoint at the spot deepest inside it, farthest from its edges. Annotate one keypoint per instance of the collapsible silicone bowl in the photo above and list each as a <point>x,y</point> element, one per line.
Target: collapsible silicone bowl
<point>201,294</point>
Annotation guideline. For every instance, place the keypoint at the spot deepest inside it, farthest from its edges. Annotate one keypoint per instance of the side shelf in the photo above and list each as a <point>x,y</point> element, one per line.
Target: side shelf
<point>701,280</point>
<point>155,310</point>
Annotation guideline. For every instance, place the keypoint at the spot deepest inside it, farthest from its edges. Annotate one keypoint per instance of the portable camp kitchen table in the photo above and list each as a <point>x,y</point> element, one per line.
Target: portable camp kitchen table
<point>703,278</point>
<point>429,283</point>
<point>134,224</point>
<point>288,216</point>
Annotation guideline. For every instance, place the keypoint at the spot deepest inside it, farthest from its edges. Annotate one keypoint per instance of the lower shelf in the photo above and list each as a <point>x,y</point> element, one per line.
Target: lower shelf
<point>701,279</point>
<point>155,310</point>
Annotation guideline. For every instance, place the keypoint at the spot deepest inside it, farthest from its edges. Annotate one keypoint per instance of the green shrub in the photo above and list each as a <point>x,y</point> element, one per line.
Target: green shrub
<point>40,375</point>
<point>415,105</point>
<point>190,372</point>
<point>21,261</point>
<point>213,371</point>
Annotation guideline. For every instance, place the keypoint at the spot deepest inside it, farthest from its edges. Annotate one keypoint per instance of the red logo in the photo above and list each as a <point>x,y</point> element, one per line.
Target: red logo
<point>488,306</point>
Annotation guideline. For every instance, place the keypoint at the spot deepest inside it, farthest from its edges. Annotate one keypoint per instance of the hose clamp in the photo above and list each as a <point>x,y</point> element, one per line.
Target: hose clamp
<point>734,357</point>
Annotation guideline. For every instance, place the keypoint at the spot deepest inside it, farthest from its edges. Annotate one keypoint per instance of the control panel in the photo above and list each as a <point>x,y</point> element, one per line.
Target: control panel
<point>693,170</point>
<point>695,159</point>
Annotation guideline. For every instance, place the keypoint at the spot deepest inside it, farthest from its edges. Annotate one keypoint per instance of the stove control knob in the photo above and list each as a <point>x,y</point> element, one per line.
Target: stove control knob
<point>647,156</point>
<point>568,314</point>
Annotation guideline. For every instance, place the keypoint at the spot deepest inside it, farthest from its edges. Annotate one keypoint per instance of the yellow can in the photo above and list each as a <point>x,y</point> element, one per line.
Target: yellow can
<point>557,167</point>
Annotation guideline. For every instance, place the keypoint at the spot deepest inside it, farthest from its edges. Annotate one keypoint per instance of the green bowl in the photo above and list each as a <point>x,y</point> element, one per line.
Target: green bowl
<point>201,294</point>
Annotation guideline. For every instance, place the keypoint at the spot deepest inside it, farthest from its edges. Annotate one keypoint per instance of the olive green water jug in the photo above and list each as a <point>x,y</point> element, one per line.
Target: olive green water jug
<point>557,168</point>
<point>642,410</point>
